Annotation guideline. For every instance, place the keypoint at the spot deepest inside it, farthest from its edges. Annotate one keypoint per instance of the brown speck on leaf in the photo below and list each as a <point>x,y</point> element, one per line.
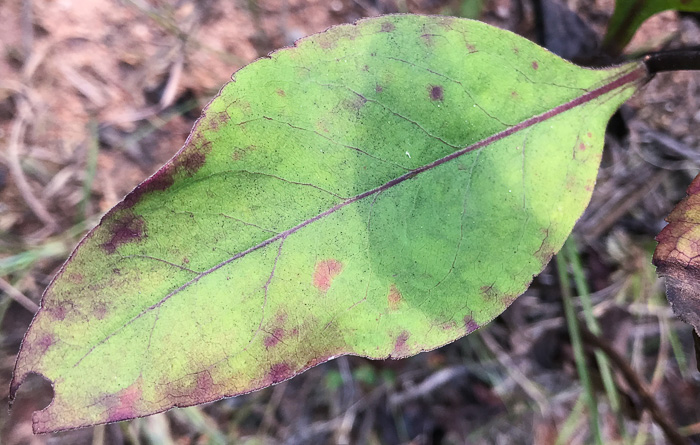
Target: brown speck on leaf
<point>394,297</point>
<point>75,277</point>
<point>388,27</point>
<point>378,89</point>
<point>435,92</point>
<point>325,273</point>
<point>589,134</point>
<point>535,65</point>
<point>280,92</point>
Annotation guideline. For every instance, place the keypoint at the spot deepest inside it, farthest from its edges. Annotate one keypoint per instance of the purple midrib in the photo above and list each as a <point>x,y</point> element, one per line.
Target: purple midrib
<point>638,73</point>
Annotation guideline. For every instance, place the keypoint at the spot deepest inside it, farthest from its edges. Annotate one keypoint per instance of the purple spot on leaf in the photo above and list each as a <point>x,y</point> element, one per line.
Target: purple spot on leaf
<point>129,228</point>
<point>400,349</point>
<point>280,372</point>
<point>435,92</point>
<point>470,324</point>
<point>274,338</point>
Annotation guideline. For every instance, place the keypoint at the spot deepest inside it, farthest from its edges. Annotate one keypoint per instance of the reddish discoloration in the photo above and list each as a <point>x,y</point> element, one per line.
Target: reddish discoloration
<point>388,27</point>
<point>204,388</point>
<point>239,153</point>
<point>582,146</point>
<point>280,372</point>
<point>45,342</point>
<point>471,48</point>
<point>436,92</point>
<point>589,135</point>
<point>219,119</point>
<point>191,162</point>
<point>535,65</point>
<point>489,292</point>
<point>325,273</point>
<point>58,313</point>
<point>470,324</point>
<point>394,297</point>
<point>357,103</point>
<point>378,88</point>
<point>100,310</point>
<point>400,348</point>
<point>280,92</point>
<point>75,278</point>
<point>694,187</point>
<point>274,338</point>
<point>513,94</point>
<point>126,229</point>
<point>160,181</point>
<point>120,406</point>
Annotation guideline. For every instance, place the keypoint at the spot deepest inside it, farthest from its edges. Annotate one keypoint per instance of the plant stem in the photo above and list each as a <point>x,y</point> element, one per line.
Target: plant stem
<point>577,344</point>
<point>674,60</point>
<point>572,255</point>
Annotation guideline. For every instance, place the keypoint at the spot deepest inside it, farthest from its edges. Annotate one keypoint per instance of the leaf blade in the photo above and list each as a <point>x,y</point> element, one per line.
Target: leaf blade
<point>357,263</point>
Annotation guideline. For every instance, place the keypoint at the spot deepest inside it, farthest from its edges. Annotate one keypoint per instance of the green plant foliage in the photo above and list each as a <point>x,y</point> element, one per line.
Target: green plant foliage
<point>380,189</point>
<point>630,14</point>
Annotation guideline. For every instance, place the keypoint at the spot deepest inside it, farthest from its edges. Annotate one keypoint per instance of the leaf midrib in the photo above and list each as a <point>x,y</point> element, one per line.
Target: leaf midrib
<point>637,73</point>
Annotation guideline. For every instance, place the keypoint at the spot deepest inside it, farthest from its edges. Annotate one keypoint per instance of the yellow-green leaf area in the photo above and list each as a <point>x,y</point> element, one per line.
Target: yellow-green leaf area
<point>380,189</point>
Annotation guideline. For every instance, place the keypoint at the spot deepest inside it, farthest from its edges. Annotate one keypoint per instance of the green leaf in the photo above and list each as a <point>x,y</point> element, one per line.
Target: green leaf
<point>380,189</point>
<point>630,14</point>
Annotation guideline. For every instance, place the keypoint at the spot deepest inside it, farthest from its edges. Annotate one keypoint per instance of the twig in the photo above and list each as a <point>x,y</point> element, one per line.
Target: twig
<point>530,388</point>
<point>633,380</point>
<point>18,296</point>
<point>428,386</point>
<point>675,60</point>
<point>16,136</point>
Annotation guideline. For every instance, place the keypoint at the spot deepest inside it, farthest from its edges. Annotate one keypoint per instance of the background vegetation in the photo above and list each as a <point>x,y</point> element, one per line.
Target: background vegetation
<point>96,94</point>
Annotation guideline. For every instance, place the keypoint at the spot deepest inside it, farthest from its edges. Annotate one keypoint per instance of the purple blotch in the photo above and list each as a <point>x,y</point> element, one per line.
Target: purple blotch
<point>280,372</point>
<point>274,338</point>
<point>435,92</point>
<point>191,162</point>
<point>127,229</point>
<point>470,324</point>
